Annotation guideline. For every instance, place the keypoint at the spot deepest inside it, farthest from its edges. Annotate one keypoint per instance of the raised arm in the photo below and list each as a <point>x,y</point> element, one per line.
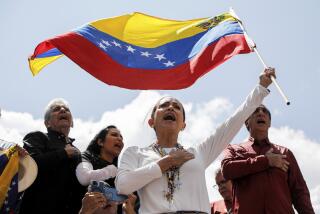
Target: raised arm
<point>224,134</point>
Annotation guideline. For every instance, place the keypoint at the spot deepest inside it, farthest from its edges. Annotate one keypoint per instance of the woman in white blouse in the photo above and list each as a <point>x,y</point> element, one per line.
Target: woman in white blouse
<point>100,158</point>
<point>170,178</point>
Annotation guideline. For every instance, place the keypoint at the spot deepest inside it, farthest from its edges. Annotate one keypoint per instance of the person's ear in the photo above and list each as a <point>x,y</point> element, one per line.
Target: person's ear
<point>183,126</point>
<point>151,122</point>
<point>100,143</point>
<point>247,125</point>
<point>47,124</point>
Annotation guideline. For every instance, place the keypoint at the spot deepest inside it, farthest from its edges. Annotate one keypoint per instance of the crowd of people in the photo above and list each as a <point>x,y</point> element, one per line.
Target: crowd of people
<point>257,176</point>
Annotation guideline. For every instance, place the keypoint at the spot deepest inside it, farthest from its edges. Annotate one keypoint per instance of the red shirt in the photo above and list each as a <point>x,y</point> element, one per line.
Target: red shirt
<point>258,188</point>
<point>219,207</point>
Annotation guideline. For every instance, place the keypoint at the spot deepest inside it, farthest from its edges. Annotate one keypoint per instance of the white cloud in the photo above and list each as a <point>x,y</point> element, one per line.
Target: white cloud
<point>315,198</point>
<point>14,125</point>
<point>131,120</point>
<point>201,119</point>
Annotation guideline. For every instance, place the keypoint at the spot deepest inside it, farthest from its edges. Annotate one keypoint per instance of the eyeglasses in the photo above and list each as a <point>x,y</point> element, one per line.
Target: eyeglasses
<point>222,182</point>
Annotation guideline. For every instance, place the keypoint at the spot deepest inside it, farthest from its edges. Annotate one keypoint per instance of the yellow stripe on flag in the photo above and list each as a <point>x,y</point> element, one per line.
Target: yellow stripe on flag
<point>150,32</point>
<point>9,171</point>
<point>38,63</point>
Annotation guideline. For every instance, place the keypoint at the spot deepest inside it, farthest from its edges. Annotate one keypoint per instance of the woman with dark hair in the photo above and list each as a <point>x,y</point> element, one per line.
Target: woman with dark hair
<point>99,161</point>
<point>170,178</point>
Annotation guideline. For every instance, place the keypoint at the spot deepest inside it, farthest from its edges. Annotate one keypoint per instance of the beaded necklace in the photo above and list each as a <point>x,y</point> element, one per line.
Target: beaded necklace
<point>173,174</point>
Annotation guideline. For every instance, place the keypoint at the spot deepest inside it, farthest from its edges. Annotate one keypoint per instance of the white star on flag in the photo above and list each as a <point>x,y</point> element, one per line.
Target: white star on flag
<point>106,42</point>
<point>146,54</point>
<point>160,57</point>
<point>130,49</point>
<point>116,44</point>
<point>102,46</point>
<point>169,63</point>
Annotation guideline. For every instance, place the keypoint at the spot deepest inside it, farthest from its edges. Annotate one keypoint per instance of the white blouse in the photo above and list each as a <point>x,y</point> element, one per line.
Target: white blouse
<point>86,174</point>
<point>138,169</point>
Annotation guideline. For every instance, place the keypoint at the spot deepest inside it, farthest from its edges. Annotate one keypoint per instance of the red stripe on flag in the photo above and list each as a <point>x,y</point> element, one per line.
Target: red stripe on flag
<point>103,67</point>
<point>42,48</point>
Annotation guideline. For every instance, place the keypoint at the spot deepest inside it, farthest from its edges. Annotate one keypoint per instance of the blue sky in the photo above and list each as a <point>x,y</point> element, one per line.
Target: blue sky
<point>286,33</point>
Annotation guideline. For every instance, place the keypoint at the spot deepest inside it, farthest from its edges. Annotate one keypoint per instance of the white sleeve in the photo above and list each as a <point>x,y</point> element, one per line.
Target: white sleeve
<point>130,176</point>
<point>216,143</point>
<point>86,174</point>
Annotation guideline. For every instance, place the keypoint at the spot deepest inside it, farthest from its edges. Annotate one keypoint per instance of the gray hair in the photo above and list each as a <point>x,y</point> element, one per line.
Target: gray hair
<point>54,102</point>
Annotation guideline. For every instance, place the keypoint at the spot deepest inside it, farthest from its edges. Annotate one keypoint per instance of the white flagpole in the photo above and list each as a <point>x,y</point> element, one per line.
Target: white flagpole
<point>249,40</point>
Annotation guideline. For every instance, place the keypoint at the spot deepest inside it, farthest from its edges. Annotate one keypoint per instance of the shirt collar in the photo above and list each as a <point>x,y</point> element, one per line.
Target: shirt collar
<point>60,136</point>
<point>253,141</point>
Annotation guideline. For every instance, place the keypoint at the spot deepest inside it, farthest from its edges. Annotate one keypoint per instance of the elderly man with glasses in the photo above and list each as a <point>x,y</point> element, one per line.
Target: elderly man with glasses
<point>224,186</point>
<point>55,189</point>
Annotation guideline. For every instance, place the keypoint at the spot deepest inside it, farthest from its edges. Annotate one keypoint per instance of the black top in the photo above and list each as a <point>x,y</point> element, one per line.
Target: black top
<point>56,188</point>
<point>98,163</point>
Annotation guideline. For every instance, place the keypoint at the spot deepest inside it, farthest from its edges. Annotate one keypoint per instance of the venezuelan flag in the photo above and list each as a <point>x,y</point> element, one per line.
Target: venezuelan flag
<point>139,51</point>
<point>9,163</point>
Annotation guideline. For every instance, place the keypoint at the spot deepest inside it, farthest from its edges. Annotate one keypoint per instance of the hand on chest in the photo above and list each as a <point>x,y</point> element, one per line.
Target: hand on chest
<point>191,166</point>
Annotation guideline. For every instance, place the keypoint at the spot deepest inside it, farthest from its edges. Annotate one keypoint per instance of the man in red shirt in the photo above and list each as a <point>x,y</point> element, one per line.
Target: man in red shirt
<point>225,189</point>
<point>266,177</point>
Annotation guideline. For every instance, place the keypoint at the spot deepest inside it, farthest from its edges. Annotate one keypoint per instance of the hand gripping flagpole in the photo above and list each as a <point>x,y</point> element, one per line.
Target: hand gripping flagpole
<point>253,46</point>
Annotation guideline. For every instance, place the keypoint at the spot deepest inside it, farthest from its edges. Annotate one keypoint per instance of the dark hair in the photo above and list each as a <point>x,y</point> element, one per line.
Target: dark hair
<point>260,106</point>
<point>93,146</point>
<point>156,105</point>
<point>217,172</point>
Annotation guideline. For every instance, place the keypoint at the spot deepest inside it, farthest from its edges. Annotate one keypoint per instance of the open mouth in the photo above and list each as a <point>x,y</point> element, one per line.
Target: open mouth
<point>261,121</point>
<point>63,117</point>
<point>118,145</point>
<point>169,117</point>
